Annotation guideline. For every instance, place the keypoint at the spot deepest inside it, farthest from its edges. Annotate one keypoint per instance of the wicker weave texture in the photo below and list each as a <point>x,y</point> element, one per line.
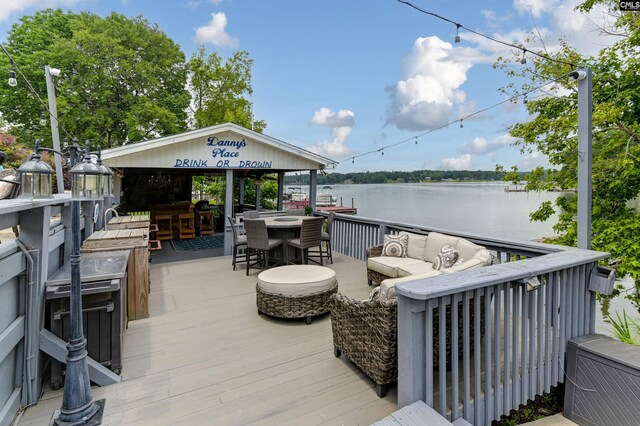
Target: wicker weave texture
<point>288,306</point>
<point>366,332</point>
<point>375,276</point>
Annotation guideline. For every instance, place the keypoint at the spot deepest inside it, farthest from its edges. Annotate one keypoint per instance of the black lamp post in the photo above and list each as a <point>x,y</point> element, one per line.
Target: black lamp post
<point>78,406</point>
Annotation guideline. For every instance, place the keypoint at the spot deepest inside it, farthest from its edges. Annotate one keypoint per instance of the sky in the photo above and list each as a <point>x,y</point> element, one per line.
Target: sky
<point>345,77</point>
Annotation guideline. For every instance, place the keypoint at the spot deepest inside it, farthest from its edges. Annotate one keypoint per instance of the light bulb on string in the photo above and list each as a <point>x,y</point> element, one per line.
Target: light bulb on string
<point>353,160</point>
<point>524,99</point>
<point>457,39</point>
<point>12,79</point>
<point>43,120</point>
<point>461,125</point>
<point>524,57</point>
<point>416,140</point>
<point>382,151</point>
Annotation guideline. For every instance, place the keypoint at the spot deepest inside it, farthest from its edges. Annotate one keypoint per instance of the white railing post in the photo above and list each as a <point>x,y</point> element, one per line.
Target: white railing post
<point>411,350</point>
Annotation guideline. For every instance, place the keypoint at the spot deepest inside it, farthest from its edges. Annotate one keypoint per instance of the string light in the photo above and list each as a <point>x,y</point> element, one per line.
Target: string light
<point>460,120</point>
<point>416,140</point>
<point>457,39</point>
<point>458,26</point>
<point>12,79</point>
<point>461,125</point>
<point>524,57</point>
<point>43,120</point>
<point>13,82</point>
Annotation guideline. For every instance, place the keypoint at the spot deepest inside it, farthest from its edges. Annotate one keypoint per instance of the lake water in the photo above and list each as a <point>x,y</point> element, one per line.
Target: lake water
<point>482,208</point>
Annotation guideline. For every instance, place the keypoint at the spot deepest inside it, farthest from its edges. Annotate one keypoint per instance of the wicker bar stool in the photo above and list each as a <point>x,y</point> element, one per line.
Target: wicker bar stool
<point>326,237</point>
<point>239,242</point>
<point>310,236</point>
<point>258,242</point>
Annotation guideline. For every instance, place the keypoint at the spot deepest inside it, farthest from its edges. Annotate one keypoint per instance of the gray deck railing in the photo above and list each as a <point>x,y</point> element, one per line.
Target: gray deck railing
<point>530,304</point>
<point>44,227</point>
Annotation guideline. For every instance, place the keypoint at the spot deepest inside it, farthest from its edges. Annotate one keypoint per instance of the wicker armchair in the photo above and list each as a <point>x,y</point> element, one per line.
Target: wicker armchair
<point>367,333</point>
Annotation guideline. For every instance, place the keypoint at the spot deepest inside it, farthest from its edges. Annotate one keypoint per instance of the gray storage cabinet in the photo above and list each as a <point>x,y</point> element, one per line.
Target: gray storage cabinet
<point>602,386</point>
<point>104,290</point>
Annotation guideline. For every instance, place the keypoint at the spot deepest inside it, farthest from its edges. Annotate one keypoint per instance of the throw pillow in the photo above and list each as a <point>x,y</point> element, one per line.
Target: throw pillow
<point>446,258</point>
<point>395,245</point>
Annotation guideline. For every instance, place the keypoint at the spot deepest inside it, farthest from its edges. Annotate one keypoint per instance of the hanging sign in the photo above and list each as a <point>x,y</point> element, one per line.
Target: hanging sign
<point>225,154</point>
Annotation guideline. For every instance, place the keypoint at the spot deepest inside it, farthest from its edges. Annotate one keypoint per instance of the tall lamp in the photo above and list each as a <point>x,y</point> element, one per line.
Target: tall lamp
<point>78,406</point>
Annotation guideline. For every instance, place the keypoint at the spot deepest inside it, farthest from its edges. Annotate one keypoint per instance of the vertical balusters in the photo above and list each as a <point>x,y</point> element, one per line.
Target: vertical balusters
<point>573,310</point>
<point>488,394</point>
<point>508,344</point>
<point>525,347</point>
<point>556,326</point>
<point>518,375</point>
<point>429,351</point>
<point>532,345</point>
<point>497,370</point>
<point>477,352</point>
<point>466,355</point>
<point>442,355</point>
<point>539,364</point>
<point>455,352</point>
<point>548,329</point>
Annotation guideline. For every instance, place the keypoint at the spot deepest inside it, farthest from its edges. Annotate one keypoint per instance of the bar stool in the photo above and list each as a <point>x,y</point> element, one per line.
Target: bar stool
<point>164,224</point>
<point>205,222</point>
<point>186,228</point>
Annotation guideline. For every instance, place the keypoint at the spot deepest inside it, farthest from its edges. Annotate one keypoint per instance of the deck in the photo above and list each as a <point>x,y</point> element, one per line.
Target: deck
<point>206,357</point>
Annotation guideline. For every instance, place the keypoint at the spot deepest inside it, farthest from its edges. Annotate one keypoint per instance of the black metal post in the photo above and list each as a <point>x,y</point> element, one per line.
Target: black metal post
<point>78,407</point>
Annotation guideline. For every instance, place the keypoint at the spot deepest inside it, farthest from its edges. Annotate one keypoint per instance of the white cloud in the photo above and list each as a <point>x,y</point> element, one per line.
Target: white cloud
<point>537,7</point>
<point>461,162</point>
<point>10,7</point>
<point>492,19</point>
<point>483,146</point>
<point>341,123</point>
<point>425,95</point>
<point>214,32</point>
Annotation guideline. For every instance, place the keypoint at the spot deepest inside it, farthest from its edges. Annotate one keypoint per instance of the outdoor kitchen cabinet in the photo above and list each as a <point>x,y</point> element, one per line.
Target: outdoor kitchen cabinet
<point>104,301</point>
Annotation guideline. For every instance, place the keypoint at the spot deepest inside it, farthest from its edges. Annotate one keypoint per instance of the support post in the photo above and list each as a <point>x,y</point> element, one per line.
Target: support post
<point>411,353</point>
<point>313,189</point>
<point>585,105</point>
<point>280,191</point>
<point>53,119</point>
<point>228,211</point>
<point>258,187</point>
<point>241,182</point>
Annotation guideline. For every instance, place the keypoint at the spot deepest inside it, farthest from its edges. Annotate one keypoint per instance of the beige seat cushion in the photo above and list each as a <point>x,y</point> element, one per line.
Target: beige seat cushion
<point>415,269</point>
<point>388,265</point>
<point>416,245</point>
<point>435,242</point>
<point>296,280</point>
<point>388,286</point>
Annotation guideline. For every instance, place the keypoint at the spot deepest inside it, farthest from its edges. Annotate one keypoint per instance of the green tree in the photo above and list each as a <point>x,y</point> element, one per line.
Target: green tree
<point>616,140</point>
<point>123,80</point>
<point>220,90</point>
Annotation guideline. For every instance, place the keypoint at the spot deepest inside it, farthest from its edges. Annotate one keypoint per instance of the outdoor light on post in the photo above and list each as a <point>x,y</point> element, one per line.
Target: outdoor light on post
<point>78,407</point>
<point>35,176</point>
<point>106,186</point>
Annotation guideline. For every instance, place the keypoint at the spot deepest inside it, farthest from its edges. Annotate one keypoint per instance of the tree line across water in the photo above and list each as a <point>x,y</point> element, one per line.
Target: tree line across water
<point>415,176</point>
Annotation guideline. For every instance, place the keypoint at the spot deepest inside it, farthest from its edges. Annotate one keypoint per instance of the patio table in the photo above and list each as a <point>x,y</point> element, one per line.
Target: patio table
<point>285,228</point>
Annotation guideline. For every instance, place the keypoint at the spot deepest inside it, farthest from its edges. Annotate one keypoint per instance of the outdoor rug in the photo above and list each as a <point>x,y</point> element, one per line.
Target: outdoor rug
<point>199,243</point>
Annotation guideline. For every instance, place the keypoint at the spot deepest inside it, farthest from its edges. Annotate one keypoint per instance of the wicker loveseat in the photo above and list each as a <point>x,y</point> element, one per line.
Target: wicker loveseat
<point>421,253</point>
<point>366,331</point>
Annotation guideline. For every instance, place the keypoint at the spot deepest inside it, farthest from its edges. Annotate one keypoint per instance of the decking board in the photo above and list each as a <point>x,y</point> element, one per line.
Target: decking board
<point>205,356</point>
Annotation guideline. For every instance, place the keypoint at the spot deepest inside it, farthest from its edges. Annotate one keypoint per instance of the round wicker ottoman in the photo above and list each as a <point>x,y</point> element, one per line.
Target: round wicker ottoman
<point>295,291</point>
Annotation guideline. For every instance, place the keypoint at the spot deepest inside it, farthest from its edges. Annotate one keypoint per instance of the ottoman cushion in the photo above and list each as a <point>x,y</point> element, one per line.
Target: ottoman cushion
<point>296,280</point>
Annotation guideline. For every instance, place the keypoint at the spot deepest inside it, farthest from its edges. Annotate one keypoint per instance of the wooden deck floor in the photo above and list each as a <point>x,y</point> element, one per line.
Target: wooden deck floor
<point>206,357</point>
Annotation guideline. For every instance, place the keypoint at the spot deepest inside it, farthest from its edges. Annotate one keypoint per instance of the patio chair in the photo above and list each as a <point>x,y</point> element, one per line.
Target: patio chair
<point>258,242</point>
<point>251,214</point>
<point>367,333</point>
<point>326,236</point>
<point>239,242</point>
<point>9,184</point>
<point>310,236</point>
<point>294,212</point>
